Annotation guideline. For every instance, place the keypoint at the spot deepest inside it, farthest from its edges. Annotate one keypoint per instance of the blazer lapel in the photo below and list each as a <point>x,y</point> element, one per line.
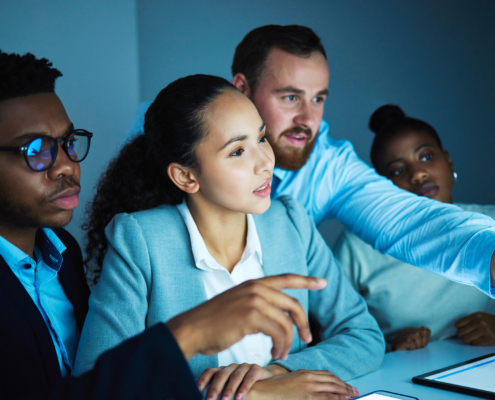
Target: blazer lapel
<point>11,285</point>
<point>282,255</point>
<point>71,276</point>
<point>76,291</point>
<point>193,294</point>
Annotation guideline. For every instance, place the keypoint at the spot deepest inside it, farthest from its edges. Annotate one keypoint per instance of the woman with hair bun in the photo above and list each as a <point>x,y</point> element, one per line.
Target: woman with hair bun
<point>188,215</point>
<point>413,306</point>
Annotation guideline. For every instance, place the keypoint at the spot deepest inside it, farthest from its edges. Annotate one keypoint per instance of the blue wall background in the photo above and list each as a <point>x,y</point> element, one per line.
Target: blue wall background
<point>94,44</point>
<point>436,59</point>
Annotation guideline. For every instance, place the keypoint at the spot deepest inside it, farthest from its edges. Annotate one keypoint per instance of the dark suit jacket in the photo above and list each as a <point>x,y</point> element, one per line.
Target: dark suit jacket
<point>148,366</point>
<point>29,366</point>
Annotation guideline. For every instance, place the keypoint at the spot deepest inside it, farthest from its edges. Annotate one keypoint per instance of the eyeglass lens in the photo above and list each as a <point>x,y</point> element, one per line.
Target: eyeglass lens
<point>41,151</point>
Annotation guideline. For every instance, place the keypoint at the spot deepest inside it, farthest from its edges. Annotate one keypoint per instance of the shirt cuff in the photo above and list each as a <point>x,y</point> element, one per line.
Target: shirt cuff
<point>477,262</point>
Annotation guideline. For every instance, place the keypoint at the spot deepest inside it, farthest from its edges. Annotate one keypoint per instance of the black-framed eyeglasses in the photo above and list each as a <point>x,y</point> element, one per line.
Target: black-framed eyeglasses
<point>41,152</point>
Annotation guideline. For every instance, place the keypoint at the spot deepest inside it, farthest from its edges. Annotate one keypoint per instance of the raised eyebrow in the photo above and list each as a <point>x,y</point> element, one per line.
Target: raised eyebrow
<point>239,138</point>
<point>420,147</point>
<point>69,129</point>
<point>289,89</point>
<point>33,135</point>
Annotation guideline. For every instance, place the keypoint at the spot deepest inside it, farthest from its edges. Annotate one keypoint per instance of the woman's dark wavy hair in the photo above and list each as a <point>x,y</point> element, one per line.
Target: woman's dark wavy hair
<point>389,121</point>
<point>137,178</point>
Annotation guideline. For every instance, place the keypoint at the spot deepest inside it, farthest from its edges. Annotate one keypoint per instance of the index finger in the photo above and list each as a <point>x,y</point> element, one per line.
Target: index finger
<point>293,281</point>
<point>463,321</point>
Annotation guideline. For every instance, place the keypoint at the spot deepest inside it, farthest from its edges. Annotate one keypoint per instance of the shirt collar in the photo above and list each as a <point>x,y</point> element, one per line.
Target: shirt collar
<point>49,245</point>
<point>51,248</point>
<point>253,244</point>
<point>201,253</point>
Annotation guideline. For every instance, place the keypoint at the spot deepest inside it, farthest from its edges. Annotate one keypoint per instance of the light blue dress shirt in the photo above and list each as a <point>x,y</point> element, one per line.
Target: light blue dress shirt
<point>39,278</point>
<point>442,238</point>
<point>335,183</point>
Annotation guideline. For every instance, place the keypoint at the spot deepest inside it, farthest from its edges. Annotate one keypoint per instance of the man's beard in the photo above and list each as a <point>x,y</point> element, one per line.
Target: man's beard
<point>15,214</point>
<point>293,158</point>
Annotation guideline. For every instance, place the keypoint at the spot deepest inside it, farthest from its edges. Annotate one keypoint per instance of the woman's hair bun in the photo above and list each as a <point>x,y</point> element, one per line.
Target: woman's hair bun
<point>383,115</point>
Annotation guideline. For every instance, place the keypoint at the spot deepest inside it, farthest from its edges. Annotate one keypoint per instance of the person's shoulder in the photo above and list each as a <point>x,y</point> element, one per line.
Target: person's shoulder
<point>328,149</point>
<point>285,206</point>
<point>326,142</point>
<point>164,220</point>
<point>284,211</point>
<point>486,209</point>
<point>151,216</point>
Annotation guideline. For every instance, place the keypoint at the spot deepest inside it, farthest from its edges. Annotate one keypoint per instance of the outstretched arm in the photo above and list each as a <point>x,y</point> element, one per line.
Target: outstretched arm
<point>426,233</point>
<point>146,366</point>
<point>256,306</point>
<point>151,363</point>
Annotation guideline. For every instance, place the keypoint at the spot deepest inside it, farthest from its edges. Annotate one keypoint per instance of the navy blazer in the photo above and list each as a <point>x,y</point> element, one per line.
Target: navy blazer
<point>29,366</point>
<point>148,366</point>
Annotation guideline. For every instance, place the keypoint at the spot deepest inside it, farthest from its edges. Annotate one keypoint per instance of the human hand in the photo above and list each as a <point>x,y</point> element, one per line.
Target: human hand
<point>230,379</point>
<point>256,306</point>
<point>411,339</point>
<point>302,384</point>
<point>477,329</point>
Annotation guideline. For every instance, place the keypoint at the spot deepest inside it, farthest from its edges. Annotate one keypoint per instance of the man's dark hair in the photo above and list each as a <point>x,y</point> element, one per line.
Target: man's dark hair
<point>251,54</point>
<point>25,75</point>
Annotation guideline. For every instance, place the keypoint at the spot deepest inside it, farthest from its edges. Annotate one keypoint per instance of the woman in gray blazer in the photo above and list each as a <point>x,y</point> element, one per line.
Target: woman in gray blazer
<point>189,214</point>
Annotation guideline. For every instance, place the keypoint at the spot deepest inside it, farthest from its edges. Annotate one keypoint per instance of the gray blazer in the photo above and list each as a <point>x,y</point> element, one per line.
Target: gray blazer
<point>149,276</point>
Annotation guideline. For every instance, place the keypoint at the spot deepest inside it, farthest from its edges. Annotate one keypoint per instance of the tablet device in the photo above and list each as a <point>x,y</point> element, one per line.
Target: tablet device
<point>475,377</point>
<point>384,395</point>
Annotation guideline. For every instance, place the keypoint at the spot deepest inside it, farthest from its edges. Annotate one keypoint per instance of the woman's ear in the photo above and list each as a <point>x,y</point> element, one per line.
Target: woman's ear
<point>240,82</point>
<point>183,178</point>
<point>449,161</point>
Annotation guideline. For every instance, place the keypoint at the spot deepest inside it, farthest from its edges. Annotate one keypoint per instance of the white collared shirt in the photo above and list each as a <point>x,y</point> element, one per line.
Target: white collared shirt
<point>253,349</point>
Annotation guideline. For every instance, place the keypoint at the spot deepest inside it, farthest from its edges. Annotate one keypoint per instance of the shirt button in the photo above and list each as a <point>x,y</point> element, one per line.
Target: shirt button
<point>27,266</point>
<point>257,357</point>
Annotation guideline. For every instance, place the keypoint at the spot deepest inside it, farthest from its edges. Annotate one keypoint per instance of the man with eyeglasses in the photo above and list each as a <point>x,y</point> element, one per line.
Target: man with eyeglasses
<point>43,290</point>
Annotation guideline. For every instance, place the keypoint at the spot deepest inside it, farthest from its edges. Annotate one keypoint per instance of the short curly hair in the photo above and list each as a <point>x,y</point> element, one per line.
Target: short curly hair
<point>25,75</point>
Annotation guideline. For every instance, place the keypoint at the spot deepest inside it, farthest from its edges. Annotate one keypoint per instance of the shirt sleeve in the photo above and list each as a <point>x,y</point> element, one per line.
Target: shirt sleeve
<point>426,233</point>
<point>118,305</point>
<point>349,259</point>
<point>352,343</point>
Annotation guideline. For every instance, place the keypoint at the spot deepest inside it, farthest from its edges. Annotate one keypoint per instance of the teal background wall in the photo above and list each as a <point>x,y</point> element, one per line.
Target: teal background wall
<point>94,44</point>
<point>434,58</point>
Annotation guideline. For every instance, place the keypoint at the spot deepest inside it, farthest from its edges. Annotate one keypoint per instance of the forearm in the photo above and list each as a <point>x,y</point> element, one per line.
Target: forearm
<point>149,364</point>
<point>276,369</point>
<point>186,338</point>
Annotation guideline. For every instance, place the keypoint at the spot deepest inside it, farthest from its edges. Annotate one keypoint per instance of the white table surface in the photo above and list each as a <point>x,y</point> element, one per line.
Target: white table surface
<point>399,367</point>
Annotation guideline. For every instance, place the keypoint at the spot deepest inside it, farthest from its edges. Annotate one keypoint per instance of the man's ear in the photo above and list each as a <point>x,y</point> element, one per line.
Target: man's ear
<point>183,178</point>
<point>240,82</point>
